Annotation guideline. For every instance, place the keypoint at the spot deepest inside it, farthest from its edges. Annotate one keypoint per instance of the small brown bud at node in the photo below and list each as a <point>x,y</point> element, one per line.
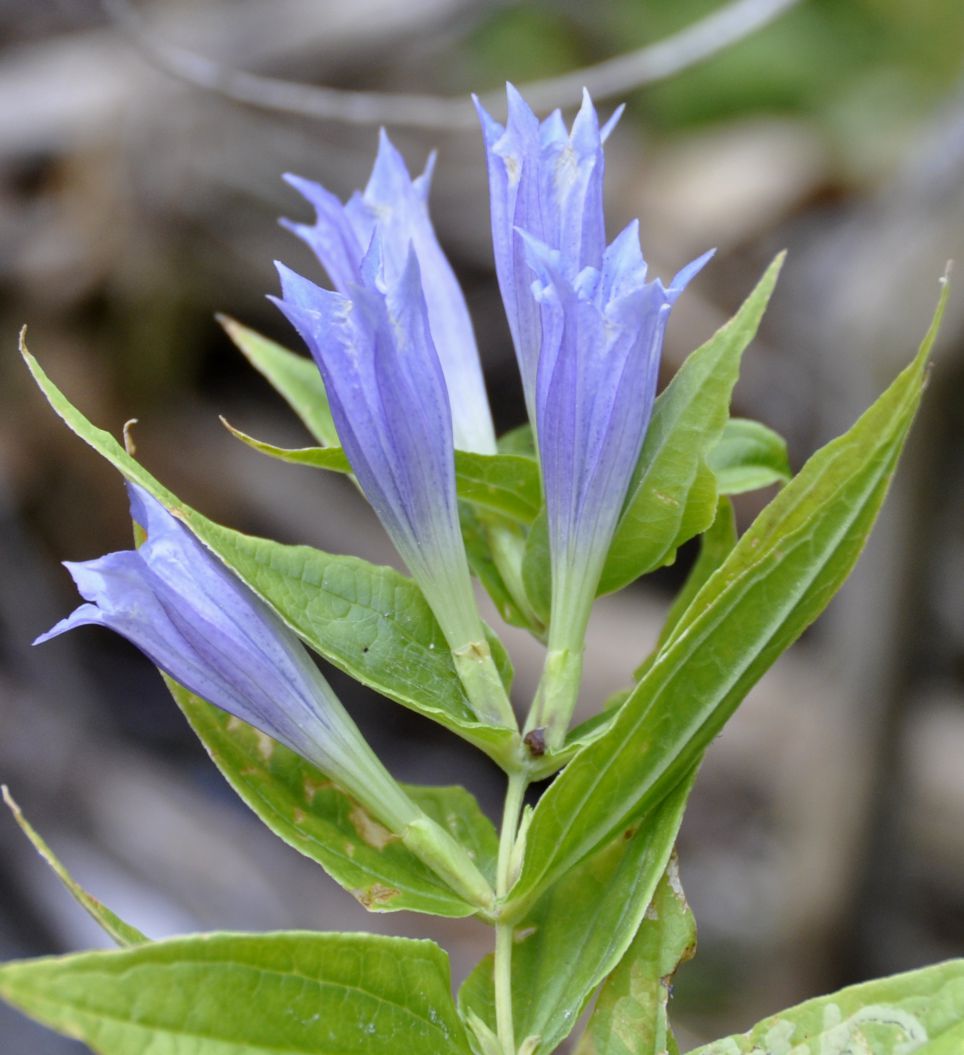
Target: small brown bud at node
<point>535,741</point>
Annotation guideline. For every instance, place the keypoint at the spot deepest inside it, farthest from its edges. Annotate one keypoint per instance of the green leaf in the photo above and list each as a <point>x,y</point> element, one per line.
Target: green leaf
<point>673,494</point>
<point>776,581</point>
<point>536,568</point>
<point>920,1011</point>
<point>369,621</point>
<point>333,458</point>
<point>749,456</point>
<point>630,1016</point>
<point>294,377</point>
<point>716,545</point>
<point>123,933</point>
<point>507,484</point>
<point>519,440</point>
<point>579,930</point>
<point>484,567</point>
<point>248,994</point>
<point>456,810</point>
<point>315,816</point>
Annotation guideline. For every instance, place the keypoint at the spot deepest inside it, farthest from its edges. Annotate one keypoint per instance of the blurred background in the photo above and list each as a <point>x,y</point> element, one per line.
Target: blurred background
<point>825,841</point>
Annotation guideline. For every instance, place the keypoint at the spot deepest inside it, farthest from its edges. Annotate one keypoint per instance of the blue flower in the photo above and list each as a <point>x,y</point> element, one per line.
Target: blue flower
<point>202,626</point>
<point>588,332</point>
<point>398,206</point>
<point>388,399</point>
<point>548,183</point>
<point>602,334</point>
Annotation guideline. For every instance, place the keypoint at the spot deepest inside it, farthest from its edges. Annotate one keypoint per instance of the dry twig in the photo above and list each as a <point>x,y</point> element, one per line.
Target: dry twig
<point>617,76</point>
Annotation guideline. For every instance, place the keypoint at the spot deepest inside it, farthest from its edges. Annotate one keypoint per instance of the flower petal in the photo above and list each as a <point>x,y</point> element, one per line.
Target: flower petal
<point>397,206</point>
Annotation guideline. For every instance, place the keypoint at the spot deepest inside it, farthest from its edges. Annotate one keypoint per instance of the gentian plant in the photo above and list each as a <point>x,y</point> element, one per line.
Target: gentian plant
<point>604,484</point>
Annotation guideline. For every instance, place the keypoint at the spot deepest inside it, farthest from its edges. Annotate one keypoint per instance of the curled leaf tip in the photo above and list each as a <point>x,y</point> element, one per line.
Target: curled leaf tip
<point>129,445</point>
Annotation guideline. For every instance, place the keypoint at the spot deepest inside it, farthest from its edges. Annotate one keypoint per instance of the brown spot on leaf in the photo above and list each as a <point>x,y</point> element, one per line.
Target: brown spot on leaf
<point>376,894</point>
<point>312,787</point>
<point>265,745</point>
<point>369,829</point>
<point>298,816</point>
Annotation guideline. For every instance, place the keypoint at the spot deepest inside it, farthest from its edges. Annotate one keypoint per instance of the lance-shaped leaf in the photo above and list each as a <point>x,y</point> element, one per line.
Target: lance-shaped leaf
<point>578,931</point>
<point>298,993</point>
<point>294,377</point>
<point>397,206</point>
<point>777,580</point>
<point>716,544</point>
<point>122,933</point>
<point>206,630</point>
<point>630,1016</point>
<point>748,456</point>
<point>311,813</point>
<point>369,621</point>
<point>506,484</point>
<point>919,1011</point>
<point>672,497</point>
<point>391,409</point>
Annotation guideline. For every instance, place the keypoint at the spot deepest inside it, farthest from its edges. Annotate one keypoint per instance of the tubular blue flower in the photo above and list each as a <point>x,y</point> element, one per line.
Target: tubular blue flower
<point>602,334</point>
<point>209,632</point>
<point>389,403</point>
<point>602,339</point>
<point>588,332</point>
<point>546,182</point>
<point>199,624</point>
<point>398,206</point>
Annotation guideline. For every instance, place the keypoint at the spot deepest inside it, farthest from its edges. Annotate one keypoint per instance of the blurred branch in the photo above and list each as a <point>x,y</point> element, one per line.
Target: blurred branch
<point>617,76</point>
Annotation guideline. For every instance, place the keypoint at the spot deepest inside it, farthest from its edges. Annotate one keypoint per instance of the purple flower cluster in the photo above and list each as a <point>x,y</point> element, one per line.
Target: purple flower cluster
<point>395,346</point>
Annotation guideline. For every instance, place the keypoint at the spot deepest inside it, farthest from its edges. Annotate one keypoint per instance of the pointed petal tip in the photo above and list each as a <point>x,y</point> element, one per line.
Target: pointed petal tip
<point>292,226</point>
<point>305,187</point>
<point>83,615</point>
<point>614,120</point>
<point>692,269</point>
<point>518,109</point>
<point>389,167</point>
<point>54,631</point>
<point>585,101</point>
<point>292,282</point>
<point>491,129</point>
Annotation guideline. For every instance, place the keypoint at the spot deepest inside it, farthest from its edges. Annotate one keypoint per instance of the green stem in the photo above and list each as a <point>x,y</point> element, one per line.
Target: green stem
<point>556,695</point>
<point>483,686</point>
<point>508,549</point>
<point>515,794</point>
